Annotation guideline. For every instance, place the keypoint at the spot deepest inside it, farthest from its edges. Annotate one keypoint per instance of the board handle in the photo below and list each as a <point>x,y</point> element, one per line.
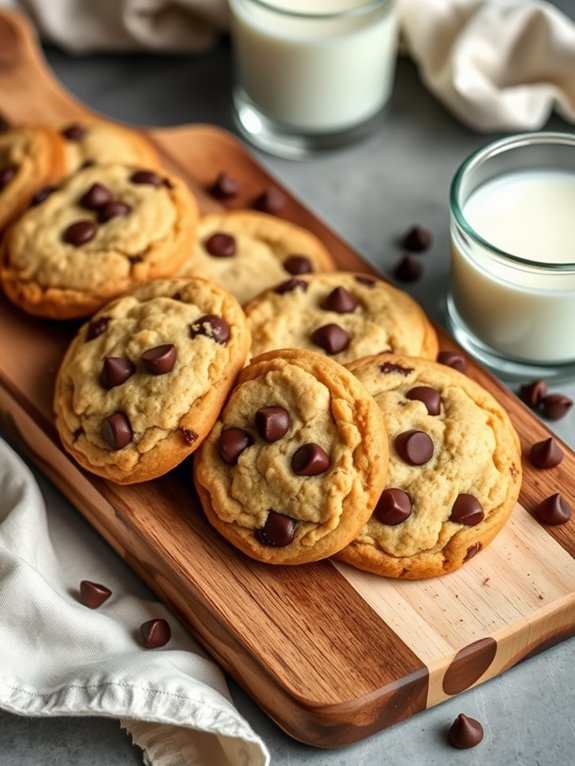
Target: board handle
<point>28,90</point>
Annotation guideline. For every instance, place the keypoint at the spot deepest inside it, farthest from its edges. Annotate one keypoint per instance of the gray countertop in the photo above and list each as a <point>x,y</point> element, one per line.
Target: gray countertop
<point>368,193</point>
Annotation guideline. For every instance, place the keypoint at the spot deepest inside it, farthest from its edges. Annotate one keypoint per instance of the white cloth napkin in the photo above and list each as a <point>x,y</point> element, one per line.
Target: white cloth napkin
<point>60,658</point>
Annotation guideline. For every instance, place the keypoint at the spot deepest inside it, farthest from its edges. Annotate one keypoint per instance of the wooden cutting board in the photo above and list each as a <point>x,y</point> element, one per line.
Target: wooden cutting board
<point>330,653</point>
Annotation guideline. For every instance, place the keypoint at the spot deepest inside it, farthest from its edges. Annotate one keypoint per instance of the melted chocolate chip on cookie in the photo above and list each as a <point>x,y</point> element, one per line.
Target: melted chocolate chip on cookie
<point>414,447</point>
<point>80,232</point>
<point>278,531</point>
<point>146,178</point>
<point>115,371</point>
<point>212,326</point>
<point>272,423</point>
<point>96,197</point>
<point>160,359</point>
<point>310,460</point>
<point>290,285</point>
<point>331,337</point>
<point>341,301</point>
<point>117,431</point>
<point>297,264</point>
<point>430,397</point>
<point>221,245</point>
<point>467,510</point>
<point>232,442</point>
<point>393,507</point>
<point>97,327</point>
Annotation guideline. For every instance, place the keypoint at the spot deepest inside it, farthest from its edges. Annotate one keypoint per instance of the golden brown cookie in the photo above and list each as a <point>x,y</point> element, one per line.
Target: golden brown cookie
<point>454,470</point>
<point>344,315</point>
<point>246,252</point>
<point>296,461</point>
<point>143,382</point>
<point>105,230</point>
<point>106,143</point>
<point>30,158</point>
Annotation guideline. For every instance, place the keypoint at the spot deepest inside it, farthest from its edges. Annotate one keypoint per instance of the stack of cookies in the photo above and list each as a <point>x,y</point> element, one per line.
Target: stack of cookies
<point>343,436</point>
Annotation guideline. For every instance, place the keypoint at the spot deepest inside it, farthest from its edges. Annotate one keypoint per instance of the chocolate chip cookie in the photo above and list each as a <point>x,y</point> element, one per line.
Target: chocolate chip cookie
<point>454,470</point>
<point>143,382</point>
<point>105,143</point>
<point>105,230</point>
<point>296,461</point>
<point>246,252</point>
<point>344,315</point>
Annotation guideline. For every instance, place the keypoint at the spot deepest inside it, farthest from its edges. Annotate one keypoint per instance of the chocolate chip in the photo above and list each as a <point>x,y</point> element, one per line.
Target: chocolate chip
<point>74,132</point>
<point>117,431</point>
<point>270,201</point>
<point>116,370</point>
<point>168,183</point>
<point>416,239</point>
<point>212,326</point>
<point>189,436</point>
<point>393,507</point>
<point>87,164</point>
<point>135,259</point>
<point>155,633</point>
<point>160,359</point>
<point>80,232</point>
<point>472,551</point>
<point>553,510</point>
<point>41,195</point>
<point>389,367</point>
<point>545,454</point>
<point>466,510</point>
<point>146,177</point>
<point>465,732</point>
<point>225,187</point>
<point>367,281</point>
<point>297,264</point>
<point>114,209</point>
<point>429,396</point>
<point>97,327</point>
<point>92,594</point>
<point>408,269</point>
<point>7,173</point>
<point>331,337</point>
<point>272,423</point>
<point>232,442</point>
<point>452,359</point>
<point>77,433</point>
<point>278,531</point>
<point>310,460</point>
<point>341,301</point>
<point>556,406</point>
<point>96,197</point>
<point>221,245</point>
<point>414,447</point>
<point>532,393</point>
<point>290,285</point>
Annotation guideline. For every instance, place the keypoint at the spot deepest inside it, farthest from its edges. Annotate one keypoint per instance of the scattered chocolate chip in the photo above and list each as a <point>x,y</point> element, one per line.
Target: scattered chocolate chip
<point>41,195</point>
<point>472,551</point>
<point>556,406</point>
<point>272,423</point>
<point>270,201</point>
<point>310,460</point>
<point>331,337</point>
<point>114,209</point>
<point>7,173</point>
<point>96,197</point>
<point>414,447</point>
<point>389,367</point>
<point>155,633</point>
<point>189,436</point>
<point>160,359</point>
<point>97,327</point>
<point>465,732</point>
<point>452,359</point>
<point>278,531</point>
<point>289,285</point>
<point>74,132</point>
<point>545,454</point>
<point>80,232</point>
<point>532,393</point>
<point>232,442</point>
<point>92,594</point>
<point>117,431</point>
<point>466,510</point>
<point>225,187</point>
<point>367,281</point>
<point>341,301</point>
<point>393,507</point>
<point>212,326</point>
<point>146,177</point>
<point>177,296</point>
<point>429,396</point>
<point>221,245</point>
<point>408,269</point>
<point>116,370</point>
<point>416,239</point>
<point>553,510</point>
<point>297,264</point>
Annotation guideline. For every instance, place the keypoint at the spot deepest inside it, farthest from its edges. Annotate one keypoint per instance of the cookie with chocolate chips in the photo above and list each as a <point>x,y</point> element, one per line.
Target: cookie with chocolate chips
<point>143,382</point>
<point>454,469</point>
<point>296,461</point>
<point>95,142</point>
<point>347,316</point>
<point>104,231</point>
<point>246,252</point>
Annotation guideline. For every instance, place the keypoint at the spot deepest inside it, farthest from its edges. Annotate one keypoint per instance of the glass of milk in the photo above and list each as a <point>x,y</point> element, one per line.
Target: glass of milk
<point>512,296</point>
<point>311,74</point>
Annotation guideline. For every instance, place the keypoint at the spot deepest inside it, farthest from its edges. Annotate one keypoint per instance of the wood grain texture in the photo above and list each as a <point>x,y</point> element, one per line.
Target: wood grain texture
<point>332,654</point>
